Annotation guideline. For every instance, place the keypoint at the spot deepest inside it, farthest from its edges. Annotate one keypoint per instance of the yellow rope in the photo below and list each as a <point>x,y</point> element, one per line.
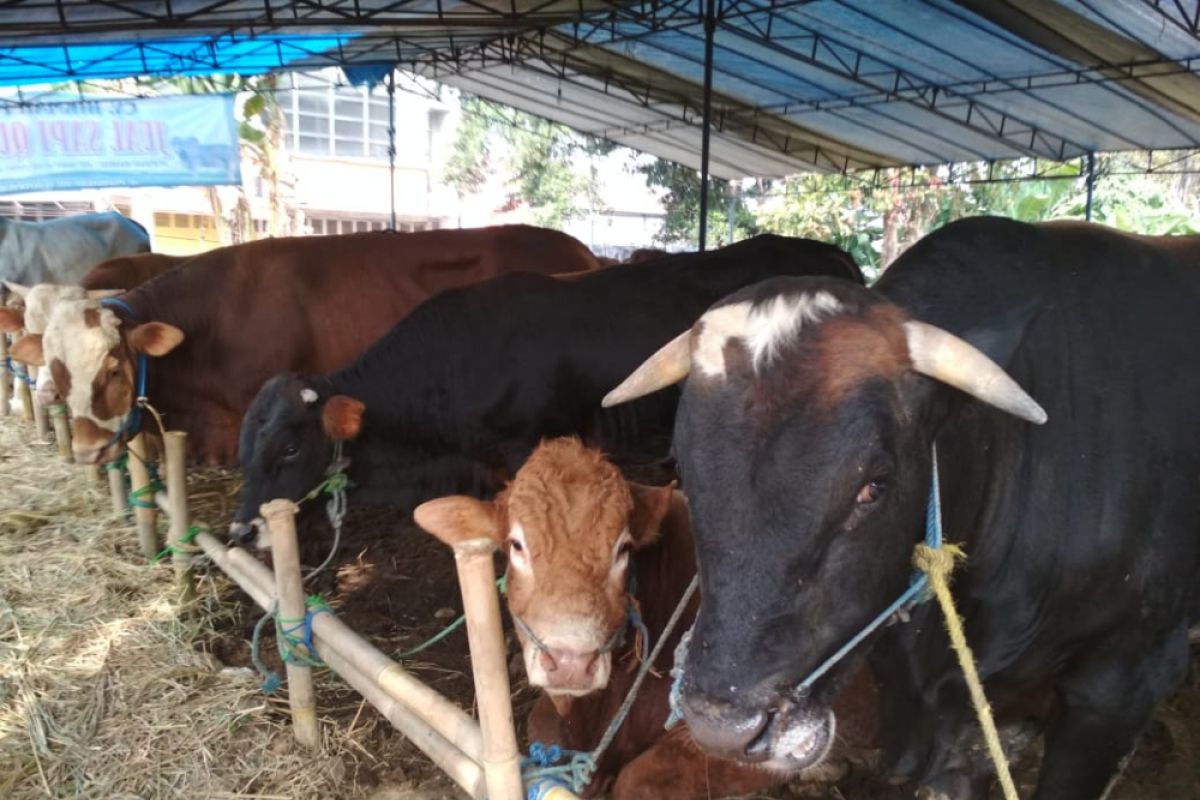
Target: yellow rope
<point>938,563</point>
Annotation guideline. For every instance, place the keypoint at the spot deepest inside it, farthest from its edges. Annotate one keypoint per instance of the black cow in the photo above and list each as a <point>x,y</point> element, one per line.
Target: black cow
<point>804,441</point>
<point>459,392</point>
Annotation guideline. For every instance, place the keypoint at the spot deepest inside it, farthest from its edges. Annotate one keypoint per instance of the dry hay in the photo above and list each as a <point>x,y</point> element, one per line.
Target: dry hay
<point>103,692</point>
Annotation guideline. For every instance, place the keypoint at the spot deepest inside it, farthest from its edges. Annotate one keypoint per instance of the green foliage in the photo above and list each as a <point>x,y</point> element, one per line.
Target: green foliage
<point>542,158</point>
<point>681,197</point>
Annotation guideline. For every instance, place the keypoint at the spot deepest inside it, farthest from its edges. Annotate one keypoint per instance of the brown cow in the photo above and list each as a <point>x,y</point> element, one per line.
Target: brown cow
<point>218,326</point>
<point>577,535</point>
<point>126,272</point>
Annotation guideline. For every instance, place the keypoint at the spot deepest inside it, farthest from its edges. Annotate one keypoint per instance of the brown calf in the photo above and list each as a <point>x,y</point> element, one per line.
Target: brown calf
<point>578,538</point>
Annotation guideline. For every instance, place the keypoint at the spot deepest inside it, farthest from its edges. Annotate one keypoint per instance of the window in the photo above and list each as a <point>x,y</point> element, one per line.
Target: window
<point>348,121</point>
<point>327,226</point>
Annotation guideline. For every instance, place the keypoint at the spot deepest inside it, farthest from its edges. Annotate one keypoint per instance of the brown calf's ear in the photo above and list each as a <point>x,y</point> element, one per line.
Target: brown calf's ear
<point>650,507</point>
<point>11,320</point>
<point>342,417</point>
<point>459,518</point>
<point>28,349</point>
<point>155,338</point>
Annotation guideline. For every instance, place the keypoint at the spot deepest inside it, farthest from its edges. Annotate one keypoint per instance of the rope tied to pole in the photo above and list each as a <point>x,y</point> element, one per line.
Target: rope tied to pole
<point>137,498</point>
<point>19,372</point>
<point>119,464</point>
<point>290,636</point>
<point>182,547</point>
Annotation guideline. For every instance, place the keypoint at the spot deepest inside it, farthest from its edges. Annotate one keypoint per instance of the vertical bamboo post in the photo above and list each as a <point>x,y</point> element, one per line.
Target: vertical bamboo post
<point>175,445</point>
<point>481,606</point>
<point>24,393</point>
<point>41,422</point>
<point>62,431</point>
<point>285,555</point>
<point>116,488</point>
<point>5,378</point>
<point>145,512</point>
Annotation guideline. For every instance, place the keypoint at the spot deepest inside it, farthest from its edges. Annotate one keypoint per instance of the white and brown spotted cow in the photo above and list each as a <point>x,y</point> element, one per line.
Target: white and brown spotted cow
<point>576,532</point>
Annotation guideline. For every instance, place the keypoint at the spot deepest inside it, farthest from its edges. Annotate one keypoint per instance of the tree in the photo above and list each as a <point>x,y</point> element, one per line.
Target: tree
<point>541,160</point>
<point>681,198</point>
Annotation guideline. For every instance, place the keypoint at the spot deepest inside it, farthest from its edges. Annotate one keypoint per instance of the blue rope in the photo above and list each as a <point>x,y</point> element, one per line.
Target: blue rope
<point>133,419</point>
<point>288,641</point>
<point>19,372</point>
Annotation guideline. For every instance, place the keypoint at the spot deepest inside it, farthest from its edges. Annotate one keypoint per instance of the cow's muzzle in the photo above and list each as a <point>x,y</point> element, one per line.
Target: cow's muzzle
<point>91,444</point>
<point>785,737</point>
<point>252,533</point>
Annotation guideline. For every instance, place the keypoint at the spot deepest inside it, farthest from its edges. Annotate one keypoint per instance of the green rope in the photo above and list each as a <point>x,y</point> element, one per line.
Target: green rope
<point>58,410</point>
<point>294,637</point>
<point>501,584</point>
<point>337,482</point>
<point>137,496</point>
<point>118,464</point>
<point>178,547</point>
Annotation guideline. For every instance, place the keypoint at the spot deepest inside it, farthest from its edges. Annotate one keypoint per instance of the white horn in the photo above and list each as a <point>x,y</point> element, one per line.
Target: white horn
<point>669,365</point>
<point>949,359</point>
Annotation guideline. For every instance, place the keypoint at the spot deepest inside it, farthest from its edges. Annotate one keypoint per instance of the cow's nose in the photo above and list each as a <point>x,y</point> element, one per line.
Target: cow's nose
<point>723,730</point>
<point>568,669</point>
<point>243,533</point>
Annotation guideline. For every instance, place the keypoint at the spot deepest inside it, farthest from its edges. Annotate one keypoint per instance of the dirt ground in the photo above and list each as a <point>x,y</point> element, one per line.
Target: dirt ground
<point>389,581</point>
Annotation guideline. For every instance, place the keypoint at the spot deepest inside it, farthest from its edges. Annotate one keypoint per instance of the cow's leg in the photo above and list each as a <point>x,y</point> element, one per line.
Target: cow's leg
<point>1108,697</point>
<point>675,769</point>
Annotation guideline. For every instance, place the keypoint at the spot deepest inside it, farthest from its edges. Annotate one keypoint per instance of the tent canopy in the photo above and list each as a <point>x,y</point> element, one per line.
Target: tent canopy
<point>828,85</point>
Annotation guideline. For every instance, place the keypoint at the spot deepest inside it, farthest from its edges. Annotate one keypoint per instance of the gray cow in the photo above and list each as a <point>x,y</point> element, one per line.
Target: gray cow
<point>63,250</point>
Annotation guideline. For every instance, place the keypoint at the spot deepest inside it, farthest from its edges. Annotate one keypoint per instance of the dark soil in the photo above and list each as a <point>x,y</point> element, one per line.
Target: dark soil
<point>396,587</point>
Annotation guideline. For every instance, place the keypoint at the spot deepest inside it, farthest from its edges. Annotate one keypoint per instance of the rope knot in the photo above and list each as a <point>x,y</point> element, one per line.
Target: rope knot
<point>937,562</point>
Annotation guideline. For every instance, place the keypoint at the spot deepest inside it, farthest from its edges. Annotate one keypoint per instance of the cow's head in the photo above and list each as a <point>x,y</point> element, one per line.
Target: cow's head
<point>287,442</point>
<point>93,359</point>
<point>569,522</point>
<point>803,439</point>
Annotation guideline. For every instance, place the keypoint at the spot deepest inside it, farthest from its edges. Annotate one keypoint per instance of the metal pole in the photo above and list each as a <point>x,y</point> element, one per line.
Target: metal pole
<point>391,90</point>
<point>1091,185</point>
<point>710,29</point>
<point>729,210</point>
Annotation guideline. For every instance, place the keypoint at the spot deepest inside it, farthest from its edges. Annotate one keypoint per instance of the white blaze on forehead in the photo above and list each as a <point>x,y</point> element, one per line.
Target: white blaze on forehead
<point>41,301</point>
<point>309,396</point>
<point>764,328</point>
<point>83,351</point>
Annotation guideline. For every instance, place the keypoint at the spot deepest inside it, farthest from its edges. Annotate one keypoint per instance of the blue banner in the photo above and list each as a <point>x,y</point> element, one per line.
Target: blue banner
<point>185,140</point>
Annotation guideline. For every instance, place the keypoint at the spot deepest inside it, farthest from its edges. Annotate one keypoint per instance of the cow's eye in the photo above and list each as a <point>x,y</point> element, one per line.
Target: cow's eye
<point>515,545</point>
<point>625,549</point>
<point>291,452</point>
<point>871,492</point>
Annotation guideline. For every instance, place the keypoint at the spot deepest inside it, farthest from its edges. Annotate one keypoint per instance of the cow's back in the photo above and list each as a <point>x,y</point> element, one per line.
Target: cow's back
<point>1102,500</point>
<point>63,250</point>
<point>310,305</point>
<point>127,272</point>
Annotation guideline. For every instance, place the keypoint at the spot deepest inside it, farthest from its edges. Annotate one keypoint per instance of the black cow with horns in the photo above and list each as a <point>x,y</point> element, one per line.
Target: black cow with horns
<point>805,438</point>
<point>458,393</point>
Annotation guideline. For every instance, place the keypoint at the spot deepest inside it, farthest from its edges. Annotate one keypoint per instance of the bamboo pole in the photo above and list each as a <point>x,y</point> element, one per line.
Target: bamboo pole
<point>348,657</point>
<point>41,422</point>
<point>116,489</point>
<point>24,394</point>
<point>6,378</point>
<point>481,606</point>
<point>62,431</point>
<point>139,479</point>
<point>175,445</point>
<point>285,555</point>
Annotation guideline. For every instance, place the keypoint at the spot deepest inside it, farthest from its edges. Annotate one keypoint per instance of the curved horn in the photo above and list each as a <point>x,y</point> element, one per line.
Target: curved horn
<point>667,366</point>
<point>949,359</point>
<point>18,289</point>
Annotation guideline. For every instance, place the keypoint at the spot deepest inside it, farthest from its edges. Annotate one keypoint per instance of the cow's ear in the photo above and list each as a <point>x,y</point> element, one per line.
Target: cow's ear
<point>155,338</point>
<point>11,320</point>
<point>342,417</point>
<point>18,289</point>
<point>459,518</point>
<point>650,507</point>
<point>28,350</point>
